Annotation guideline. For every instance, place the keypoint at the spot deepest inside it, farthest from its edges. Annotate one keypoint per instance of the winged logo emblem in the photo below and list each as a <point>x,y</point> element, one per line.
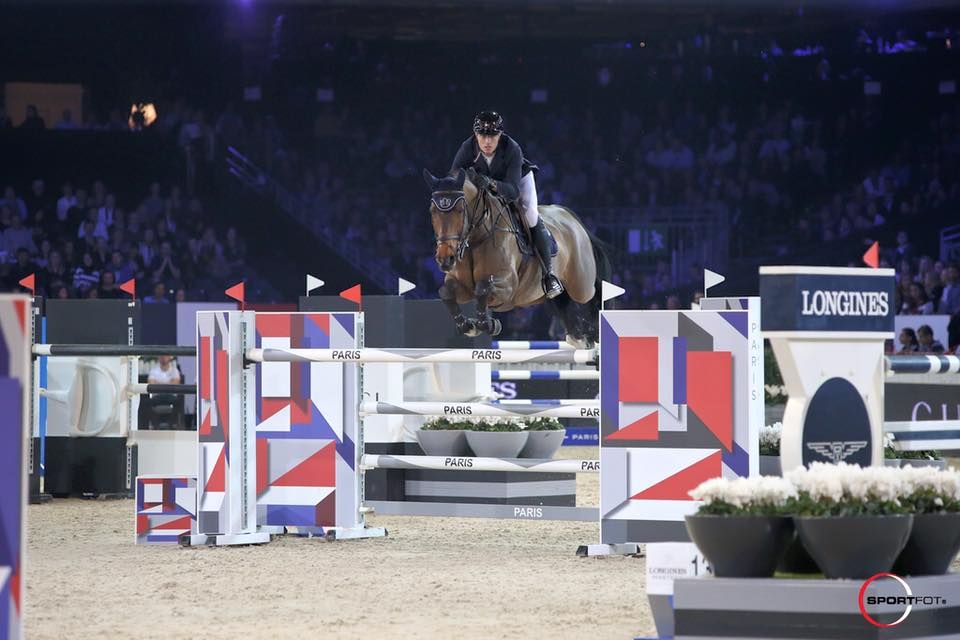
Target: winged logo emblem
<point>837,451</point>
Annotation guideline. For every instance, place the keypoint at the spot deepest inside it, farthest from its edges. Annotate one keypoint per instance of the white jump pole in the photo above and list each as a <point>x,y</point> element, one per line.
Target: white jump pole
<point>530,344</point>
<point>522,465</point>
<point>556,356</point>
<point>583,409</point>
<point>563,374</point>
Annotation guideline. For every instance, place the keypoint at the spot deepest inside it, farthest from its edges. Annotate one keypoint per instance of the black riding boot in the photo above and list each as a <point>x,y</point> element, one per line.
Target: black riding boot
<point>541,241</point>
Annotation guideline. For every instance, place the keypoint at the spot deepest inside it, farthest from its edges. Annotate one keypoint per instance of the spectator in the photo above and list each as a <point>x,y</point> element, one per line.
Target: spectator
<point>66,122</point>
<point>164,372</point>
<point>66,202</point>
<point>159,295</point>
<point>108,287</point>
<point>122,269</point>
<point>86,276</point>
<point>33,121</point>
<point>950,297</point>
<point>164,267</point>
<point>16,237</point>
<point>926,342</point>
<point>908,341</point>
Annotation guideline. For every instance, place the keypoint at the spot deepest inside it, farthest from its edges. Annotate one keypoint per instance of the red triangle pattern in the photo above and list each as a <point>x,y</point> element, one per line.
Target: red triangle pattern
<point>319,470</point>
<point>223,395</point>
<point>326,513</point>
<point>677,486</point>
<point>205,351</point>
<point>646,428</point>
<point>270,407</point>
<point>322,320</point>
<point>15,588</point>
<point>205,424</point>
<point>21,309</point>
<point>218,479</point>
<point>710,392</point>
<point>143,524</point>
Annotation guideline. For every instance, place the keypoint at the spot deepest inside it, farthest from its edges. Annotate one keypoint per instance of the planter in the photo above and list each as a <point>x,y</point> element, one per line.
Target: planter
<point>855,547</point>
<point>892,462</point>
<point>933,544</point>
<point>937,464</point>
<point>740,546</point>
<point>443,443</point>
<point>770,466</point>
<point>497,444</point>
<point>796,558</point>
<point>543,444</point>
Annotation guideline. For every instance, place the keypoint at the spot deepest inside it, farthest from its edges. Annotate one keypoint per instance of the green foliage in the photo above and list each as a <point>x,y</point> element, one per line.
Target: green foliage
<point>920,455</point>
<point>544,424</point>
<point>495,427</point>
<point>445,424</point>
<point>721,508</point>
<point>805,505</point>
<point>769,448</point>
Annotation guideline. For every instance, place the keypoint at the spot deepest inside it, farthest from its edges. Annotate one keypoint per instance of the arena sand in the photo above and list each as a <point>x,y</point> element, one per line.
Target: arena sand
<point>430,578</point>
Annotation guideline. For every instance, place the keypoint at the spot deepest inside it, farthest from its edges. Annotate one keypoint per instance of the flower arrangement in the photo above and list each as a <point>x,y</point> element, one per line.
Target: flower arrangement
<point>891,452</point>
<point>930,490</point>
<point>843,489</point>
<point>758,495</point>
<point>544,424</point>
<point>770,439</point>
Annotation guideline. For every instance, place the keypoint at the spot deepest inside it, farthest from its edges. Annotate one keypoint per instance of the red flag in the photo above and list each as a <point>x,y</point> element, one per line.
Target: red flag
<point>872,256</point>
<point>352,294</point>
<point>130,286</point>
<point>30,282</point>
<point>237,293</point>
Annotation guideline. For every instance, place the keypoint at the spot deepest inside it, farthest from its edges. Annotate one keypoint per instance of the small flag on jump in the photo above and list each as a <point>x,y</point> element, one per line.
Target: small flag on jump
<point>353,294</point>
<point>872,256</point>
<point>30,282</point>
<point>130,286</point>
<point>238,293</point>
<point>608,291</point>
<point>404,285</point>
<point>313,283</point>
<point>711,279</point>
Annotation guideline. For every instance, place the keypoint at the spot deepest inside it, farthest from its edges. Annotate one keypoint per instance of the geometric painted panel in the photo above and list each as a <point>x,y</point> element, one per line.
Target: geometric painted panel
<point>675,411</point>
<point>306,425</point>
<point>166,508</point>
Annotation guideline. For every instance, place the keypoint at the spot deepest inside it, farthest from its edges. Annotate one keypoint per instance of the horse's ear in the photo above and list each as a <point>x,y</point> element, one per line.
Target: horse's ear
<point>430,180</point>
<point>461,177</point>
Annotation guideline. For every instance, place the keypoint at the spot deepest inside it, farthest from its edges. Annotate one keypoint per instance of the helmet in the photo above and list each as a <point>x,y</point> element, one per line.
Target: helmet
<point>488,123</point>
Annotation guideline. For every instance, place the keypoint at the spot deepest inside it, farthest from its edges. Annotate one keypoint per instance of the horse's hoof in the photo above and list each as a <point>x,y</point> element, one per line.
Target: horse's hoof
<point>472,329</point>
<point>579,343</point>
<point>495,327</point>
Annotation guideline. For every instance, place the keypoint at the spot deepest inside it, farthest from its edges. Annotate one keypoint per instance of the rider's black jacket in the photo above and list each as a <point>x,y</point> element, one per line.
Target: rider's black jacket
<point>507,167</point>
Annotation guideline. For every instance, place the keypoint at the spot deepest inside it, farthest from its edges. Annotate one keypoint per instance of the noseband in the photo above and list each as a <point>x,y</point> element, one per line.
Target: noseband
<point>445,202</point>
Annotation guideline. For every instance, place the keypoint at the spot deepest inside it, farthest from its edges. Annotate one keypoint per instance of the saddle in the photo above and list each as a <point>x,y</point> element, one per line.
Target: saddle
<point>522,234</point>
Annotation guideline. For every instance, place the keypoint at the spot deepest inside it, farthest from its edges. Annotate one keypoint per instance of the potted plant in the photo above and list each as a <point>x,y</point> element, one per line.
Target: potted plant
<point>933,496</point>
<point>545,438</point>
<point>850,519</point>
<point>742,527</point>
<point>927,458</point>
<point>770,449</point>
<point>443,437</point>
<point>496,437</point>
<point>892,456</point>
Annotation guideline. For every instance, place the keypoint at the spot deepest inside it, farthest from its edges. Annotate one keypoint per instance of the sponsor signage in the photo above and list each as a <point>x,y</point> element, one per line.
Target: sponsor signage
<point>822,301</point>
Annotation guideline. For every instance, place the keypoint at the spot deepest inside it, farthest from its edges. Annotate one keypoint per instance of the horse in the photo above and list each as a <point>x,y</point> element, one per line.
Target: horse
<point>478,248</point>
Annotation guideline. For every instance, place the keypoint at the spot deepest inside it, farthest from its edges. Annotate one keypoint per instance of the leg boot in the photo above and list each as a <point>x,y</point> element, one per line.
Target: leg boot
<point>541,240</point>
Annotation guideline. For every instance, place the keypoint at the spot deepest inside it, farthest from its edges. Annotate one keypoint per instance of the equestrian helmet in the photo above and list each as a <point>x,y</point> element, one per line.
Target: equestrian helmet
<point>488,123</point>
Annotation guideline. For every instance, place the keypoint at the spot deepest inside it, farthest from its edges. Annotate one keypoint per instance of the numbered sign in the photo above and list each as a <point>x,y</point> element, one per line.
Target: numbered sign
<point>667,561</point>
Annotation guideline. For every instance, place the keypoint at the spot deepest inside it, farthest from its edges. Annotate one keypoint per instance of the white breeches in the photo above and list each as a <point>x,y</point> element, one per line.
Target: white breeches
<point>528,200</point>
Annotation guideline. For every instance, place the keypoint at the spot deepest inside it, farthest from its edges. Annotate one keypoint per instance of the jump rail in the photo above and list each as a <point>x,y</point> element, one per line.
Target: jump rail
<point>512,345</point>
<point>522,465</point>
<point>556,356</point>
<point>171,389</point>
<point>923,364</point>
<point>79,350</point>
<point>563,374</point>
<point>584,409</point>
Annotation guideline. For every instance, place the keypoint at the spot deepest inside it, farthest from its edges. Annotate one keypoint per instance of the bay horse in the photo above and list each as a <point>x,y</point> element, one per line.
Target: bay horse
<point>478,248</point>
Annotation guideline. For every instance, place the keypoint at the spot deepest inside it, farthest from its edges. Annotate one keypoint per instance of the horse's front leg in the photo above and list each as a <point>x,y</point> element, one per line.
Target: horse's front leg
<point>491,291</point>
<point>453,293</point>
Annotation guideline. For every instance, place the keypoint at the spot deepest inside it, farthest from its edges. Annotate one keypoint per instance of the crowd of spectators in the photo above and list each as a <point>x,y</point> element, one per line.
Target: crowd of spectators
<point>84,241</point>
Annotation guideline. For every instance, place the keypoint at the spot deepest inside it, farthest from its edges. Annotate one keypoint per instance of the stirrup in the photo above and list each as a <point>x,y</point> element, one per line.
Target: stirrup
<point>551,286</point>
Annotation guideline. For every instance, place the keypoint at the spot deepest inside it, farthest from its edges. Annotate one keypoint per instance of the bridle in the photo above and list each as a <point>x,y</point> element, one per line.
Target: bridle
<point>446,201</point>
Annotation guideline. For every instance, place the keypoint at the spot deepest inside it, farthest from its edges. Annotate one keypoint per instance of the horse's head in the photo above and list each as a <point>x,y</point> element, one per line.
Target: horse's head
<point>450,201</point>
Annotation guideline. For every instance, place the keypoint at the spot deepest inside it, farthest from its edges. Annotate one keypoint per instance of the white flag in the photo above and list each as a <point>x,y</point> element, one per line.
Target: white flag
<point>405,285</point>
<point>711,279</point>
<point>313,283</point>
<point>609,290</point>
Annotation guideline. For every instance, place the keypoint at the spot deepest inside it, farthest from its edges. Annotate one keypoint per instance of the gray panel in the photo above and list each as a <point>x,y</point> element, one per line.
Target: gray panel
<point>697,338</point>
<point>490,490</point>
<point>642,531</point>
<point>506,512</point>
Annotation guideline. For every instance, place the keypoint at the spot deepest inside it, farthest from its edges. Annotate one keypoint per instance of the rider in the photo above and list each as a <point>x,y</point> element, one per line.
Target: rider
<point>501,167</point>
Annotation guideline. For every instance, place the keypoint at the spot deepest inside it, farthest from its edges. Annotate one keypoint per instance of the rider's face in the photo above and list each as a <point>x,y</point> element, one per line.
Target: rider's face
<point>488,144</point>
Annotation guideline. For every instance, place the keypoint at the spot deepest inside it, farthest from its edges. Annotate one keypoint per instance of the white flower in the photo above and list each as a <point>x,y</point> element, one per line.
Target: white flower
<point>770,434</point>
<point>744,493</point>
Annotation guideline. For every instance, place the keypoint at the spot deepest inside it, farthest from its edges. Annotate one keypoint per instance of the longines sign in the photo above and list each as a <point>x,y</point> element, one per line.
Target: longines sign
<point>823,299</point>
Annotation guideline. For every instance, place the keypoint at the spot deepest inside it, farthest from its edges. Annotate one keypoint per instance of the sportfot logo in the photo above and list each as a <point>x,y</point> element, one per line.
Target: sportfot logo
<point>907,601</point>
